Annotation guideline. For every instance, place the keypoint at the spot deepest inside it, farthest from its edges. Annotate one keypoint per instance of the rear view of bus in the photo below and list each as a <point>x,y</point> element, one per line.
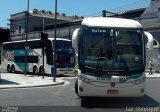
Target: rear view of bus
<point>111,58</point>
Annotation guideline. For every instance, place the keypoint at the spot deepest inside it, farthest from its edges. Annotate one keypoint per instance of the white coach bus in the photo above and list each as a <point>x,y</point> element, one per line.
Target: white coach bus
<point>111,57</point>
<point>13,56</point>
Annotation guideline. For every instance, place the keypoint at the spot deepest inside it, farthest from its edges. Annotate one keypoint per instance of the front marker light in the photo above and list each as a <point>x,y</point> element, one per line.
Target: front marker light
<point>81,89</point>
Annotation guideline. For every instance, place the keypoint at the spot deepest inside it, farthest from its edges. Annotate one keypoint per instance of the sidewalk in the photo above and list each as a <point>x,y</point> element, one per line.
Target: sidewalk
<point>12,80</point>
<point>154,75</point>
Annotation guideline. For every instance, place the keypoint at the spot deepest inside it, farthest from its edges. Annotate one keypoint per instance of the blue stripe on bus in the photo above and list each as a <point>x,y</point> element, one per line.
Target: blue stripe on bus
<point>135,76</point>
<point>20,65</point>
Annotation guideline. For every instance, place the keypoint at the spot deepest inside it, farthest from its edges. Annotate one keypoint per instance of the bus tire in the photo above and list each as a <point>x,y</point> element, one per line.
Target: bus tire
<point>9,68</point>
<point>76,87</point>
<point>41,70</point>
<point>13,69</point>
<point>35,70</point>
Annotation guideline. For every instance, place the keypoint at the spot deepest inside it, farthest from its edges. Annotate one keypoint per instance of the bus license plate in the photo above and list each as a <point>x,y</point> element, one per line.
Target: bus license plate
<point>112,91</point>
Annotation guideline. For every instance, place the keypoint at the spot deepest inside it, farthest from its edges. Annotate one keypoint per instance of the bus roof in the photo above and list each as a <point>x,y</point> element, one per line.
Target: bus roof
<point>111,22</point>
<point>36,39</point>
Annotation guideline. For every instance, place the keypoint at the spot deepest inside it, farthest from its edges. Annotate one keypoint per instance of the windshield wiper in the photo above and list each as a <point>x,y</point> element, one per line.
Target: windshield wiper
<point>99,65</point>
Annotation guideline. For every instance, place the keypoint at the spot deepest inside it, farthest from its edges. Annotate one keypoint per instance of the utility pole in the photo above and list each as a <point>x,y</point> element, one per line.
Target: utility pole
<point>55,35</point>
<point>43,50</point>
<point>26,47</point>
<point>44,38</point>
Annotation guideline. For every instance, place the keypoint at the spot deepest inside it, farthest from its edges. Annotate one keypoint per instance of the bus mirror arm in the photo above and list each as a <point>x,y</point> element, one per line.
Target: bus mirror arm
<point>150,40</point>
<point>75,39</point>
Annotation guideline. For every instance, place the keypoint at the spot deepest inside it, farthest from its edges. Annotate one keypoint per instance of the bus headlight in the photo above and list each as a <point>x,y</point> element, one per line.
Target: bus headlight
<point>138,81</point>
<point>84,79</point>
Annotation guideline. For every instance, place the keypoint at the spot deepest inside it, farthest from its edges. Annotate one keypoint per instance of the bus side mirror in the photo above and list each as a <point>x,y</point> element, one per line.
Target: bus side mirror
<point>75,38</point>
<point>75,41</point>
<point>150,40</point>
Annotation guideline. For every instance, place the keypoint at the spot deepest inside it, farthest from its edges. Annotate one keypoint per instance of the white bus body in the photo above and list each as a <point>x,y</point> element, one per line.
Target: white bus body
<point>111,57</point>
<point>13,56</point>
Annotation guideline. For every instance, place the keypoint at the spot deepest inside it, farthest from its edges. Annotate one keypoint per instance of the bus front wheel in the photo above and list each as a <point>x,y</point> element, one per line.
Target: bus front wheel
<point>76,87</point>
<point>35,70</point>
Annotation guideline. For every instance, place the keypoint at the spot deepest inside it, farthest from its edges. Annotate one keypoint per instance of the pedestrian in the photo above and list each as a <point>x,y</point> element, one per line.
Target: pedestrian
<point>150,67</point>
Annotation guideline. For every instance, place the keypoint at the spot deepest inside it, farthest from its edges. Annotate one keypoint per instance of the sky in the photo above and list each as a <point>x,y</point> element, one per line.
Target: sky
<point>69,7</point>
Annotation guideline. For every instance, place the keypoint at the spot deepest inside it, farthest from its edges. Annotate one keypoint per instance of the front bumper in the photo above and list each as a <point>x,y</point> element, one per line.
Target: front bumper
<point>94,89</point>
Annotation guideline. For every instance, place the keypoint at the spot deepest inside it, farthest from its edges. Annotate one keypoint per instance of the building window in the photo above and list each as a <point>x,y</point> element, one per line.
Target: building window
<point>20,28</point>
<point>159,9</point>
<point>13,30</point>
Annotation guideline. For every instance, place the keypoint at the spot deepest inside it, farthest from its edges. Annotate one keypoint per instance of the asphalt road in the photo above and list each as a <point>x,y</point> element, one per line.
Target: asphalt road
<point>63,99</point>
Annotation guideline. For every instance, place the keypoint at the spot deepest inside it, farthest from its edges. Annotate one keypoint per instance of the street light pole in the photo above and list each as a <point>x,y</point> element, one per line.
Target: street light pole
<point>26,37</point>
<point>43,49</point>
<point>55,35</point>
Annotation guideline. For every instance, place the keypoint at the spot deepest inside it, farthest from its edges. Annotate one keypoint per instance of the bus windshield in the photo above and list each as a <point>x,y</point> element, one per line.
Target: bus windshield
<point>96,48</point>
<point>105,49</point>
<point>129,52</point>
<point>64,46</point>
<point>64,53</point>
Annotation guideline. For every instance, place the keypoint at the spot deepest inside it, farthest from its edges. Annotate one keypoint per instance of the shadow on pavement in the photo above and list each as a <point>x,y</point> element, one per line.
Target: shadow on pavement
<point>67,75</point>
<point>7,82</point>
<point>145,101</point>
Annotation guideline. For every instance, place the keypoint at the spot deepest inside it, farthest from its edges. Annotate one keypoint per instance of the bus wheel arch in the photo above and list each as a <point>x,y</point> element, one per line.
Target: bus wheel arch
<point>41,70</point>
<point>35,70</point>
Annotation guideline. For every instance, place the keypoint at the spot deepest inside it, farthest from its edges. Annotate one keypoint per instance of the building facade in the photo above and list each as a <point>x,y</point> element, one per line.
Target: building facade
<point>40,21</point>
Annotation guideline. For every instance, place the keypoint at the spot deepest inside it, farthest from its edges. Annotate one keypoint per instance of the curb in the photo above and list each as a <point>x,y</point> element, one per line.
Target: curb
<point>153,77</point>
<point>31,86</point>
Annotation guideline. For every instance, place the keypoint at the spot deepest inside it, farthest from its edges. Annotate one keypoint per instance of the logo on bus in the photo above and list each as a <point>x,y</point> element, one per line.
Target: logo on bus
<point>10,55</point>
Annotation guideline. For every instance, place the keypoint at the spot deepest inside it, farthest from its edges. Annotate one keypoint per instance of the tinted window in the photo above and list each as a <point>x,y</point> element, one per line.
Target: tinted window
<point>30,59</point>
